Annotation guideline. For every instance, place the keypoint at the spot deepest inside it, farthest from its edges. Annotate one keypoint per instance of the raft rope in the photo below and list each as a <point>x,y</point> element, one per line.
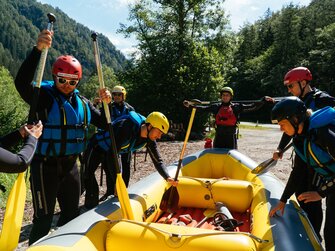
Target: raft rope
<point>179,236</point>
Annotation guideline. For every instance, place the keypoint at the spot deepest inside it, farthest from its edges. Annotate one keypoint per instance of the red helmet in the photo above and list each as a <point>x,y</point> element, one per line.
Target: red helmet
<point>67,66</point>
<point>298,74</point>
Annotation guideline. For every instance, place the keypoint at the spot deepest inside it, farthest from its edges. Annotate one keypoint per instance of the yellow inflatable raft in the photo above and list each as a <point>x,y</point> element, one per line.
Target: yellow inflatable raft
<point>223,206</point>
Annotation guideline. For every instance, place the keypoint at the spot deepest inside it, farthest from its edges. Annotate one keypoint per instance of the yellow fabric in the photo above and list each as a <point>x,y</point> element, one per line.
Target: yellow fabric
<point>203,193</point>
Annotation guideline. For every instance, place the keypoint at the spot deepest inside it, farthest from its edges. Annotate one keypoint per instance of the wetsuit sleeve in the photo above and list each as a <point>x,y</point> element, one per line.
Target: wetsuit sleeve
<point>293,182</point>
<point>24,79</point>
<point>213,108</point>
<point>324,100</point>
<point>157,159</point>
<point>98,117</point>
<point>251,107</point>
<point>10,139</point>
<point>16,163</point>
<point>285,139</point>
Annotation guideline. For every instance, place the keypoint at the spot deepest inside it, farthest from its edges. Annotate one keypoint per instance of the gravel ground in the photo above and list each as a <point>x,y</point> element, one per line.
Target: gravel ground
<point>257,143</point>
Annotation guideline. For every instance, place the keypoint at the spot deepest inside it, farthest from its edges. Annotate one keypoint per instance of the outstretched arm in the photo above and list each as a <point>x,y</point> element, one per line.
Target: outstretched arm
<point>16,163</point>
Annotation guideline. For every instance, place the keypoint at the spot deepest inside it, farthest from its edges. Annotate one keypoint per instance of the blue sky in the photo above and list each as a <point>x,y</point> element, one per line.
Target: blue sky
<point>105,16</point>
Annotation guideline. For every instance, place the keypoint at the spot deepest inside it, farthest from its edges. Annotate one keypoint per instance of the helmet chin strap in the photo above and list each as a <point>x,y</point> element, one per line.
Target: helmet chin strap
<point>302,89</point>
<point>148,132</point>
<point>295,126</point>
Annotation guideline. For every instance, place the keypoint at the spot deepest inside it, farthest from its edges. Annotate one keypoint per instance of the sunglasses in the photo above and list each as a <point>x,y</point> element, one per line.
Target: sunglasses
<point>289,86</point>
<point>117,94</point>
<point>64,81</point>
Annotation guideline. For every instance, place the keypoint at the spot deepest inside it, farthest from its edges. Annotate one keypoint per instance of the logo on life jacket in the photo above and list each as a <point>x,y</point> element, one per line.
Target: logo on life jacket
<point>226,116</point>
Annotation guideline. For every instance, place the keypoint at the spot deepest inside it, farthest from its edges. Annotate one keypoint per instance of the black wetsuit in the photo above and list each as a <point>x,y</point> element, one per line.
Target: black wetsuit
<point>117,110</point>
<point>226,135</point>
<point>51,177</point>
<point>324,138</point>
<point>123,132</point>
<point>302,178</point>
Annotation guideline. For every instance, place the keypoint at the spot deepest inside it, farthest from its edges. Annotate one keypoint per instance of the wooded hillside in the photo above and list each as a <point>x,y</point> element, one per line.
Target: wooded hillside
<point>20,23</point>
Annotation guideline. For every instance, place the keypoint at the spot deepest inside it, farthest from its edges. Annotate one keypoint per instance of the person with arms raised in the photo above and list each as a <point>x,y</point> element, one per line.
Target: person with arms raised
<point>227,115</point>
<point>65,115</point>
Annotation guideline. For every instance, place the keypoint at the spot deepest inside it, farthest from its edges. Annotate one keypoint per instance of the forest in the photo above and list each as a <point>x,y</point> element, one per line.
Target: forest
<point>186,49</point>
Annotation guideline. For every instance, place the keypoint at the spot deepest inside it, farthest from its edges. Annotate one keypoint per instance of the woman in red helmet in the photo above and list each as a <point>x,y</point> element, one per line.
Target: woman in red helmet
<point>298,83</point>
<point>65,115</point>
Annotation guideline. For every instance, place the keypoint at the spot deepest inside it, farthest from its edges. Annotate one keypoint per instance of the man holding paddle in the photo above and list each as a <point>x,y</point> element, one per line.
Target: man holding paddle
<point>65,115</point>
<point>132,132</point>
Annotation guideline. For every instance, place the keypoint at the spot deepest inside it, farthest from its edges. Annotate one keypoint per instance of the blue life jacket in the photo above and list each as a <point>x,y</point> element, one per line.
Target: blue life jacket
<point>314,155</point>
<point>128,145</point>
<point>65,129</point>
<point>118,113</point>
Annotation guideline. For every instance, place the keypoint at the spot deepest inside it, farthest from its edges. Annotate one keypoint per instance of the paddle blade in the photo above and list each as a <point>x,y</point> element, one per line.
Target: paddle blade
<point>11,226</point>
<point>170,200</point>
<point>264,166</point>
<point>123,196</point>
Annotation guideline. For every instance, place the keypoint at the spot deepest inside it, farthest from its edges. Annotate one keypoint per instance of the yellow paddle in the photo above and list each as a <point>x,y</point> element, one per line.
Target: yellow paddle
<point>11,226</point>
<point>267,164</point>
<point>170,199</point>
<point>121,188</point>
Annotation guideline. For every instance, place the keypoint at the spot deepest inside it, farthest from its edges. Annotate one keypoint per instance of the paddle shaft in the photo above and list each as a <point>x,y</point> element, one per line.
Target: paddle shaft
<point>170,198</point>
<point>105,105</point>
<point>120,185</point>
<point>39,74</point>
<point>189,127</point>
<point>195,102</point>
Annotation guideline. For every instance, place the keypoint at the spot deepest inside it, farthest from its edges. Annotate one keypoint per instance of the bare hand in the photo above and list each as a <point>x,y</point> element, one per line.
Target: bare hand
<point>268,99</point>
<point>105,95</point>
<point>97,101</point>
<point>172,182</point>
<point>309,196</point>
<point>44,40</point>
<point>34,130</point>
<point>277,155</point>
<point>186,103</point>
<point>279,207</point>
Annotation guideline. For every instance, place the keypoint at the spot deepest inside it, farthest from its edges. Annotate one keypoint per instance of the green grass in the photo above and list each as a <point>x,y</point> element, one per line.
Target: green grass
<point>7,180</point>
<point>256,127</point>
<point>211,134</point>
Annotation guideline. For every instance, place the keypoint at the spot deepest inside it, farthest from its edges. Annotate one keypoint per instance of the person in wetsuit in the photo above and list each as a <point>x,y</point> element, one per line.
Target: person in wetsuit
<point>227,115</point>
<point>131,133</point>
<point>298,82</point>
<point>66,116</point>
<point>119,107</point>
<point>314,142</point>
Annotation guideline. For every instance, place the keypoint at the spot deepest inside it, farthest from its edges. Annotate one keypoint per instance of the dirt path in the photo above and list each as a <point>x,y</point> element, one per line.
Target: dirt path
<point>255,143</point>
